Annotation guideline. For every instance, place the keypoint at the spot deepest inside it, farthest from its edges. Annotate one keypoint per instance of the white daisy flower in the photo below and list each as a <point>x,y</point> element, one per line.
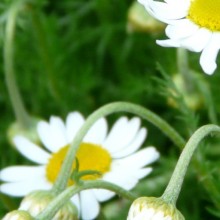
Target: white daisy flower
<point>113,154</point>
<point>192,24</point>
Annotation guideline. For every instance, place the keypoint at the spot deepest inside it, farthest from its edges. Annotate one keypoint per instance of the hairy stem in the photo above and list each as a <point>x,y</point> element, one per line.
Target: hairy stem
<point>58,202</point>
<point>172,191</point>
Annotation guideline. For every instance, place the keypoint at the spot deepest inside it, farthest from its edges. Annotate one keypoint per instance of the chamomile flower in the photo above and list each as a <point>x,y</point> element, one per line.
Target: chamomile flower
<point>111,153</point>
<point>192,24</point>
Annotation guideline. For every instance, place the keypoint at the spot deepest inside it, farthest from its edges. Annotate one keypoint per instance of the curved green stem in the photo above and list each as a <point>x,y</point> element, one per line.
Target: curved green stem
<point>64,174</point>
<point>16,100</point>
<point>172,191</point>
<point>58,202</point>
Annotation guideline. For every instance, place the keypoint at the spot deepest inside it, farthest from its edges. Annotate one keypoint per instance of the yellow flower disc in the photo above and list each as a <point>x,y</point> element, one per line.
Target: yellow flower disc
<point>90,157</point>
<point>205,13</point>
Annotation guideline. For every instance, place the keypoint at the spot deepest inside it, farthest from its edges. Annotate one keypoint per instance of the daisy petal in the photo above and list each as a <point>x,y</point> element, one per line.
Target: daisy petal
<point>89,205</point>
<point>182,29</point>
<point>133,146</point>
<point>24,187</point>
<point>74,122</point>
<point>30,150</point>
<point>58,133</point>
<point>141,173</point>
<point>122,134</point>
<point>117,177</point>
<point>43,130</point>
<point>103,195</point>
<point>76,202</point>
<point>18,173</point>
<point>97,133</point>
<point>53,134</point>
<point>114,136</point>
<point>168,11</point>
<point>192,43</point>
<point>209,54</point>
<point>168,43</point>
<point>139,159</point>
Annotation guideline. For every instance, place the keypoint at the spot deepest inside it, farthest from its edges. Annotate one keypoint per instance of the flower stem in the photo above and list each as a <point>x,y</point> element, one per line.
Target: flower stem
<point>65,172</point>
<point>16,100</point>
<point>172,191</point>
<point>58,202</point>
<point>183,69</point>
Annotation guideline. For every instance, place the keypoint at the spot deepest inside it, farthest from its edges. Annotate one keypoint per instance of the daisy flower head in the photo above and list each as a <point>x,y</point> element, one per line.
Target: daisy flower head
<point>191,24</point>
<point>114,154</point>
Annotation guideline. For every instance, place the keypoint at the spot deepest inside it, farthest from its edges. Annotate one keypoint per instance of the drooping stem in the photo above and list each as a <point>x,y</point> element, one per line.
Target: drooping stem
<point>65,196</point>
<point>16,100</point>
<point>64,174</point>
<point>184,70</point>
<point>172,191</point>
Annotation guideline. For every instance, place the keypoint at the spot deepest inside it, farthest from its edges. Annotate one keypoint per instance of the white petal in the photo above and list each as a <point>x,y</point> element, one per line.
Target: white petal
<point>181,29</point>
<point>117,177</point>
<point>103,195</point>
<point>89,205</point>
<point>168,11</point>
<point>126,176</point>
<point>30,150</point>
<point>74,122</point>
<point>24,187</point>
<point>114,136</point>
<point>168,43</point>
<point>43,130</point>
<point>123,133</point>
<point>53,134</point>
<point>58,132</point>
<point>139,159</point>
<point>141,173</point>
<point>97,133</point>
<point>209,54</point>
<point>75,200</point>
<point>133,146</point>
<point>18,173</point>
<point>198,41</point>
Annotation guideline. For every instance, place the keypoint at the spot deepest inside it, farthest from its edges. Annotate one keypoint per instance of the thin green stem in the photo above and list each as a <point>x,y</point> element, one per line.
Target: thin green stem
<point>16,100</point>
<point>172,191</point>
<point>65,172</point>
<point>58,202</point>
<point>44,51</point>
<point>183,69</point>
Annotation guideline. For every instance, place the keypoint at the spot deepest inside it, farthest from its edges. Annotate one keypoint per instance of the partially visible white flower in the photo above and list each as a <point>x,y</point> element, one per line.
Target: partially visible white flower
<point>151,208</point>
<point>111,153</point>
<point>192,24</point>
<point>18,215</point>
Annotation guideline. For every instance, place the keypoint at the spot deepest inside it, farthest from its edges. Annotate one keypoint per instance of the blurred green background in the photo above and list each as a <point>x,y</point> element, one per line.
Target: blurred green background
<point>79,55</point>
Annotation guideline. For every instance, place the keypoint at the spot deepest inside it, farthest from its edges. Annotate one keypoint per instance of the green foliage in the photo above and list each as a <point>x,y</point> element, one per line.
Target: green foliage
<point>77,55</point>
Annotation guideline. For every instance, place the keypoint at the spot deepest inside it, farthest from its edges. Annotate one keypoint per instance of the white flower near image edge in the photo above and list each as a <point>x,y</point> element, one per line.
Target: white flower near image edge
<point>185,33</point>
<point>121,142</point>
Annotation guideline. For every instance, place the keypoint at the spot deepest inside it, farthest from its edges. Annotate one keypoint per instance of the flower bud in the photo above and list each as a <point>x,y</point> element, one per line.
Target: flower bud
<point>139,20</point>
<point>18,215</point>
<point>37,201</point>
<point>30,133</point>
<point>151,208</point>
<point>193,100</point>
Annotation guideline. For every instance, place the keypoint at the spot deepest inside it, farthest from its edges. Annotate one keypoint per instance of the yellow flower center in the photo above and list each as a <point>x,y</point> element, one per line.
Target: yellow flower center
<point>90,157</point>
<point>205,13</point>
